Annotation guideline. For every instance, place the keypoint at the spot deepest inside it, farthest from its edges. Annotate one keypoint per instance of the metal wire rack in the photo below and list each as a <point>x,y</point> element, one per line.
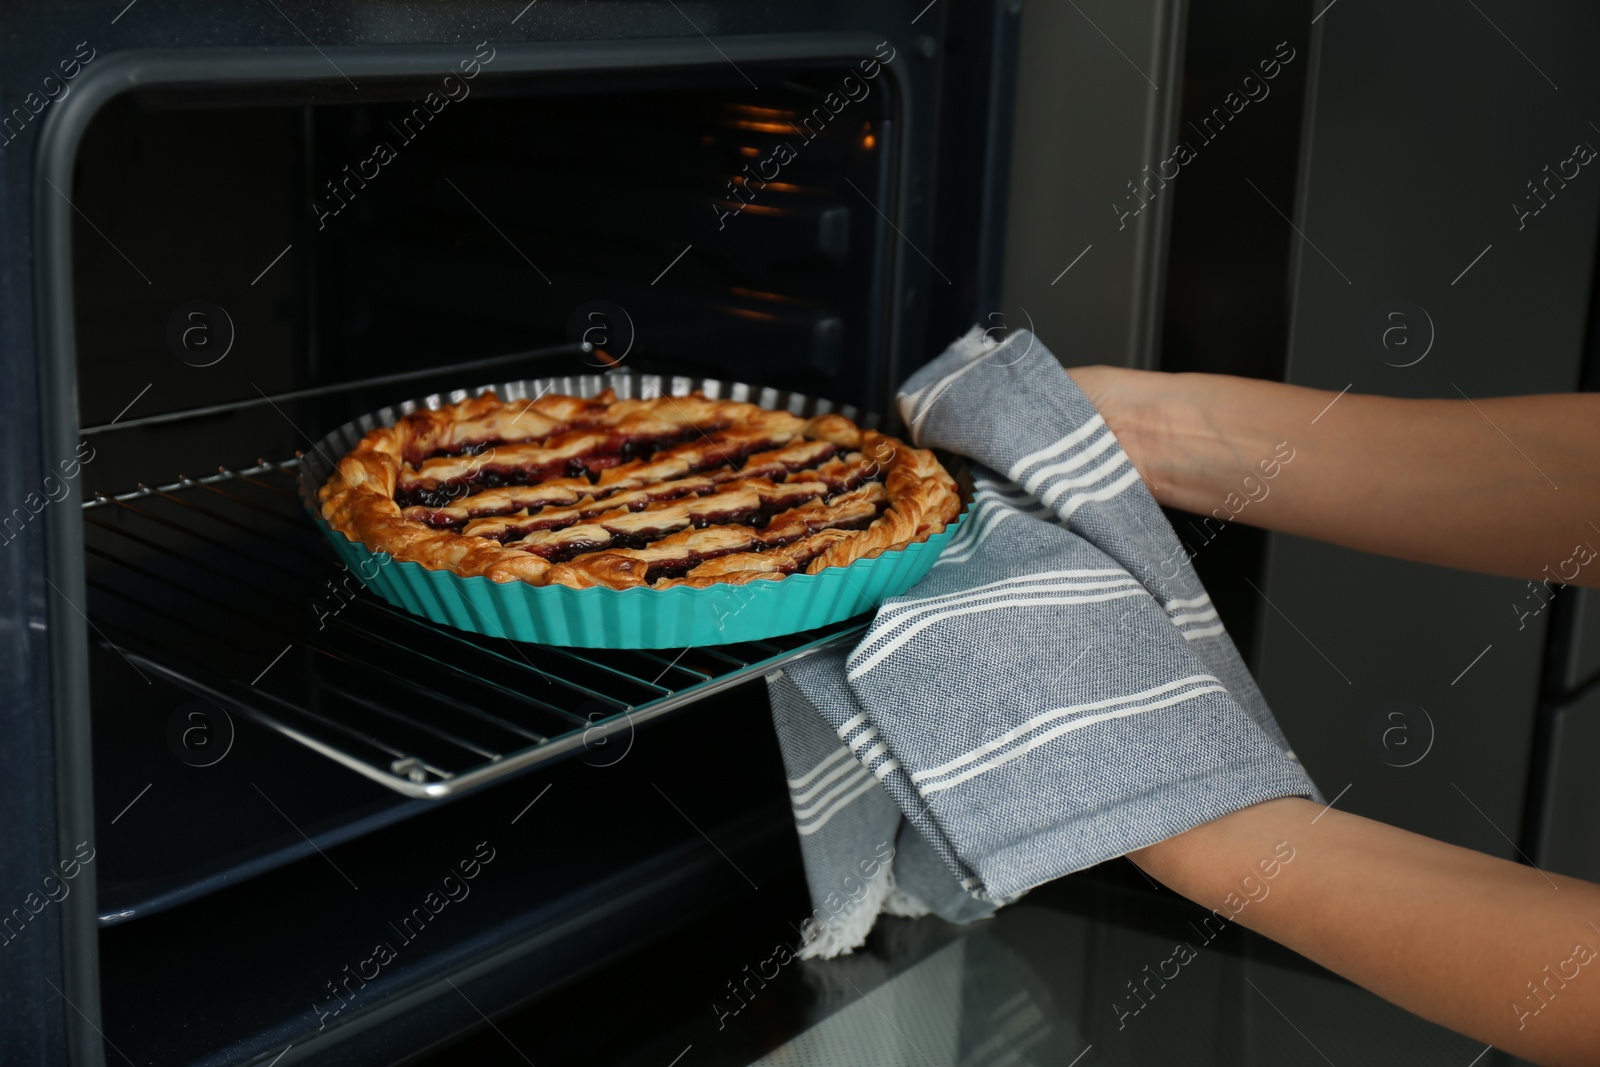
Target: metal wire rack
<point>222,585</point>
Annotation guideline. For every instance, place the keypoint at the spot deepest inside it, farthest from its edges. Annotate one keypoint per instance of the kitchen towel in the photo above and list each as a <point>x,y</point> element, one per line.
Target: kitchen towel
<point>1056,693</point>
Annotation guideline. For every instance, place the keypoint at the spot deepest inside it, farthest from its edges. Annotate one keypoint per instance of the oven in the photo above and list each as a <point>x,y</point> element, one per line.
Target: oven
<point>234,772</point>
<point>255,815</point>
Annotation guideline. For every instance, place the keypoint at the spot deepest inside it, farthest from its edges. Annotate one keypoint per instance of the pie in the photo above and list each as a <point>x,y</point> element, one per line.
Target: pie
<point>668,491</point>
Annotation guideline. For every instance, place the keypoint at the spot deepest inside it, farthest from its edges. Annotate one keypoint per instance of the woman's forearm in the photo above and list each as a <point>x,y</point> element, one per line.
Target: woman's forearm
<point>1504,953</point>
<point>1507,486</point>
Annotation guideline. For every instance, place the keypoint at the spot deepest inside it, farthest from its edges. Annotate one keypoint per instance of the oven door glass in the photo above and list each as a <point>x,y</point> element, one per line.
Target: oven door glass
<point>1097,969</point>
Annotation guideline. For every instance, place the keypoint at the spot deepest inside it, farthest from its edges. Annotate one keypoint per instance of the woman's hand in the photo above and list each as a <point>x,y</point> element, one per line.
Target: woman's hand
<point>1134,404</point>
<point>1167,424</point>
<point>1461,483</point>
<point>1505,953</point>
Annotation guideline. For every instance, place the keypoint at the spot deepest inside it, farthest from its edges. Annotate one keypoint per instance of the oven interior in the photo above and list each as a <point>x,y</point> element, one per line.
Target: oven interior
<point>249,271</point>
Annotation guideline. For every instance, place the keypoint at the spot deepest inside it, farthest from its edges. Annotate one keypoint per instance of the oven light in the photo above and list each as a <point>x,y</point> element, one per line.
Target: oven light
<point>764,112</point>
<point>782,187</point>
<point>757,294</point>
<point>754,209</point>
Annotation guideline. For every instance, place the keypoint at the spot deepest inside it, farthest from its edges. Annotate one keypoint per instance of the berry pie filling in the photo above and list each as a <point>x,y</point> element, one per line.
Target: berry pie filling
<point>661,492</point>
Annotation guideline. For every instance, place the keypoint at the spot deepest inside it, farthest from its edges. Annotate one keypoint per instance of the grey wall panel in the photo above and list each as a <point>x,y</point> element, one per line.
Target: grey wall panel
<point>1583,647</point>
<point>1425,124</point>
<point>1570,837</point>
<point>1427,734</point>
<point>1097,93</point>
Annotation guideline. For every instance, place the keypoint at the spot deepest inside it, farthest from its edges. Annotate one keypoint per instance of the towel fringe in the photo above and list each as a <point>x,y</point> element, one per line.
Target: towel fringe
<point>974,342</point>
<point>903,904</point>
<point>848,930</point>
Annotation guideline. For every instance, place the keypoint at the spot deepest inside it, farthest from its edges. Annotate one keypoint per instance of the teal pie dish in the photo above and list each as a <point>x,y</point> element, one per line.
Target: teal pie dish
<point>676,617</point>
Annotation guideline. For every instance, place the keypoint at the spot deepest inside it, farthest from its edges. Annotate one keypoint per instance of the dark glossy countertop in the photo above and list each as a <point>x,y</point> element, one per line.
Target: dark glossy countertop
<point>1046,982</point>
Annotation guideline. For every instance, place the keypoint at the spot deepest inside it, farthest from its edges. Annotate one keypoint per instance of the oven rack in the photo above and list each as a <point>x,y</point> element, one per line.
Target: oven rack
<point>223,586</point>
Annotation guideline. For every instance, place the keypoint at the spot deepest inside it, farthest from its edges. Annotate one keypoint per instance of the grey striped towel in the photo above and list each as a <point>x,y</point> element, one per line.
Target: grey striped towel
<point>1056,693</point>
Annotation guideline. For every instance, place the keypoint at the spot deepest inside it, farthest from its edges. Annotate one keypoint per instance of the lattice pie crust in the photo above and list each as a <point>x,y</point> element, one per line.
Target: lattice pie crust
<point>670,491</point>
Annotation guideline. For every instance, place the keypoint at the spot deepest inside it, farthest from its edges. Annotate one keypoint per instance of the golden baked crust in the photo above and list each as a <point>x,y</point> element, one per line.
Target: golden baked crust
<point>670,491</point>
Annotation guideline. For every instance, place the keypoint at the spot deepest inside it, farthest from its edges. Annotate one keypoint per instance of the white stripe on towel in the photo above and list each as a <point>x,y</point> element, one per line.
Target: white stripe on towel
<point>1042,576</point>
<point>1080,434</point>
<point>938,389</point>
<point>803,796</point>
<point>1022,729</point>
<point>1044,474</point>
<point>1058,489</point>
<point>800,782</point>
<point>864,737</point>
<point>859,774</point>
<point>1058,731</point>
<point>843,802</point>
<point>917,627</point>
<point>873,753</point>
<point>1025,504</point>
<point>1209,631</point>
<point>986,516</point>
<point>1009,490</point>
<point>1199,616</point>
<point>1077,500</point>
<point>910,611</point>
